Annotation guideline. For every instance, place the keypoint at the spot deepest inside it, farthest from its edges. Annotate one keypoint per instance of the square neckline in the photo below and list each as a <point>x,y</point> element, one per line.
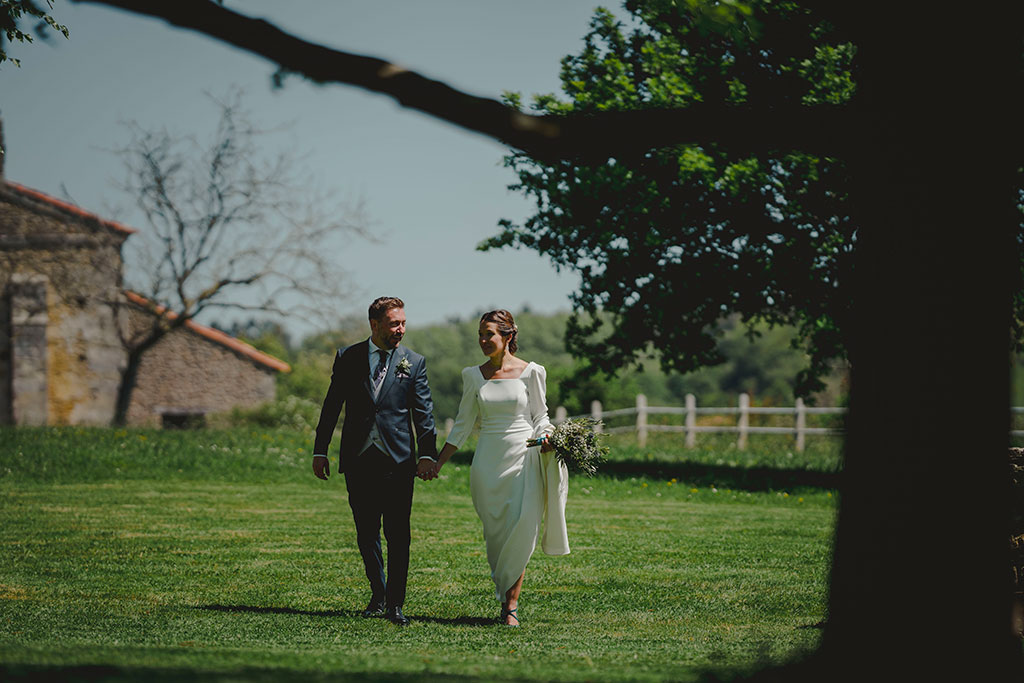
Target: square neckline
<point>503,379</point>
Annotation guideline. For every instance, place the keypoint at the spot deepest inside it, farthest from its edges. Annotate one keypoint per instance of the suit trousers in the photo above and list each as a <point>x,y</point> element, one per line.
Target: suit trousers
<point>381,489</point>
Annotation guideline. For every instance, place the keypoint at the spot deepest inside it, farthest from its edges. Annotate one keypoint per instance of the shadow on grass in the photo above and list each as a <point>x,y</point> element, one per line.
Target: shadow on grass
<point>456,621</point>
<point>113,674</point>
<point>723,476</point>
<point>453,621</point>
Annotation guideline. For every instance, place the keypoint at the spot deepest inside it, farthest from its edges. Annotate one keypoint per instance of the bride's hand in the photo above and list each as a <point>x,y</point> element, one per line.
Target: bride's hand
<point>545,445</point>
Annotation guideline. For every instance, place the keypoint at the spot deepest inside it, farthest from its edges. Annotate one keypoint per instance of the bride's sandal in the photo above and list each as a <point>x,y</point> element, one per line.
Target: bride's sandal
<point>506,613</point>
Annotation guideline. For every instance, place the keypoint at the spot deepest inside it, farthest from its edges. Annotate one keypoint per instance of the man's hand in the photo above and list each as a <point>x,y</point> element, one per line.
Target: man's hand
<point>321,467</point>
<point>426,469</point>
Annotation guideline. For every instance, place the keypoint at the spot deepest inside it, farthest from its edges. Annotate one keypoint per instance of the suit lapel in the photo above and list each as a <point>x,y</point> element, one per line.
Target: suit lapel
<point>389,378</point>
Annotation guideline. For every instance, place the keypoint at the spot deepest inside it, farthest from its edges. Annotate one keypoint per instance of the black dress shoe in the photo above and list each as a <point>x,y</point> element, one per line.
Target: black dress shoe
<point>396,617</point>
<point>374,609</point>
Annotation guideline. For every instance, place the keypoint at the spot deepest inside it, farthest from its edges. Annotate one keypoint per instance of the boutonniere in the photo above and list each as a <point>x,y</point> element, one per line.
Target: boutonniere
<point>404,368</point>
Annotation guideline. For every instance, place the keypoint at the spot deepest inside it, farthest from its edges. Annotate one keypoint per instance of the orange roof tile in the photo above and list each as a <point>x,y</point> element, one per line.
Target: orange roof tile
<point>214,335</point>
<point>69,208</point>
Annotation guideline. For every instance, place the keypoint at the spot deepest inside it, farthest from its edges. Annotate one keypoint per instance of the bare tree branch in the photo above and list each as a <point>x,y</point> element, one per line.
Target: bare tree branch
<point>595,137</point>
<point>228,231</point>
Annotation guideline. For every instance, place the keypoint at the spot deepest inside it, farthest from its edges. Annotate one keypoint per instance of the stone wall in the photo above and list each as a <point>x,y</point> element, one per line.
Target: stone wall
<point>60,285</point>
<point>29,317</point>
<point>186,373</point>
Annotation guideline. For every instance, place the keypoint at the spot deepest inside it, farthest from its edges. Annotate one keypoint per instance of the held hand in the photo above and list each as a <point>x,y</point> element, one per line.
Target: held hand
<point>544,442</point>
<point>321,468</point>
<point>426,469</point>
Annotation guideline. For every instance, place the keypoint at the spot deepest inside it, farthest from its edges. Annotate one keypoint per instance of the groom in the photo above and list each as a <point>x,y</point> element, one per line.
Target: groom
<point>385,389</point>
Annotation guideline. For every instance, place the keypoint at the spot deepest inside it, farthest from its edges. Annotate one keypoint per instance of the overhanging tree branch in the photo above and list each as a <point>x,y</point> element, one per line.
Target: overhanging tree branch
<point>593,137</point>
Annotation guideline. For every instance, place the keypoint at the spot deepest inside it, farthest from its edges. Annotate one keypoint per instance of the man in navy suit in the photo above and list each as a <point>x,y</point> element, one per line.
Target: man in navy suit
<point>384,387</point>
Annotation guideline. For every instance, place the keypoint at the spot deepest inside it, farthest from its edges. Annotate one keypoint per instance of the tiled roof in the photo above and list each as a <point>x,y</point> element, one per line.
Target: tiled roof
<point>217,336</point>
<point>68,208</point>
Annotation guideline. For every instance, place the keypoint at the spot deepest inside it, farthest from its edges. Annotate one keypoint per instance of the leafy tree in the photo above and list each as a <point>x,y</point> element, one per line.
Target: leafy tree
<point>12,12</point>
<point>667,241</point>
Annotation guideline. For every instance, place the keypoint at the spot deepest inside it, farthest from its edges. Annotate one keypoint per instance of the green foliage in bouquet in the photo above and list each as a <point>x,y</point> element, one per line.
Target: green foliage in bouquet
<point>578,444</point>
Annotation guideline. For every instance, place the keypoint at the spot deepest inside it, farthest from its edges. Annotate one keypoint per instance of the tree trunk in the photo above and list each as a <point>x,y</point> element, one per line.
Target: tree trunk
<point>130,375</point>
<point>127,385</point>
<point>920,585</point>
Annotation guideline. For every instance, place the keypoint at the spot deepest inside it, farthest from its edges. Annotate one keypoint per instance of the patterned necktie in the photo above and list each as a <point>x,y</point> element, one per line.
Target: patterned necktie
<point>378,374</point>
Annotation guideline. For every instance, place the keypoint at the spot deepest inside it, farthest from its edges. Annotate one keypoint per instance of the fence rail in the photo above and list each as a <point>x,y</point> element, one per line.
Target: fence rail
<point>742,428</point>
<point>690,411</point>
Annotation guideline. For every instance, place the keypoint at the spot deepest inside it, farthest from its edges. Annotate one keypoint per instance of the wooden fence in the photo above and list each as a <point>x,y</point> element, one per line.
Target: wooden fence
<point>742,428</point>
<point>690,411</point>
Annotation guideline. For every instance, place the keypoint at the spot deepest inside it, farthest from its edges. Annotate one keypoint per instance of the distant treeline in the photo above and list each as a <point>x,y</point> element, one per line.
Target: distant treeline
<point>763,366</point>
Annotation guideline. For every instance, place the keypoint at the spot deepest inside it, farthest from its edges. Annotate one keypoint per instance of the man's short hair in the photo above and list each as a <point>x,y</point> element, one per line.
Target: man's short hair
<point>381,305</point>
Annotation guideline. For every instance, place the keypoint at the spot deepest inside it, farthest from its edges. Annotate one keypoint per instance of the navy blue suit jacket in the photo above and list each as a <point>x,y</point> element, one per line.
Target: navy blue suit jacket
<point>403,406</point>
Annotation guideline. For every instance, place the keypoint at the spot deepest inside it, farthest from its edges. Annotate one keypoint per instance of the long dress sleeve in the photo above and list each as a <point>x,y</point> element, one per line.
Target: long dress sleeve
<point>555,476</point>
<point>468,410</point>
<point>537,383</point>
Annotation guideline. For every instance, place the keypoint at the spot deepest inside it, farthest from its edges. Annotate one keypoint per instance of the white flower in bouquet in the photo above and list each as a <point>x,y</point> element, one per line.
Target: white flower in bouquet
<point>576,443</point>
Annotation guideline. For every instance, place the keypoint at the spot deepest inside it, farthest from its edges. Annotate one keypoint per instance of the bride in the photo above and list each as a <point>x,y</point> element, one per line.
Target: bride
<point>514,488</point>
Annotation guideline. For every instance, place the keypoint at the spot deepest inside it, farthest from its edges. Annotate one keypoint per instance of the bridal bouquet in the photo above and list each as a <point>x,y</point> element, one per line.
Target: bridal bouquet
<point>577,444</point>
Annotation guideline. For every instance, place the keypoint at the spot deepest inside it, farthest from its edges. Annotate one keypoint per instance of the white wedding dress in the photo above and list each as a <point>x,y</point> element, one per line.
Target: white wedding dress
<point>514,488</point>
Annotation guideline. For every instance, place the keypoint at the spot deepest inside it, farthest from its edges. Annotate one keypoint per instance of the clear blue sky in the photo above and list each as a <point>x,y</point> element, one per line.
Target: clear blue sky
<point>433,190</point>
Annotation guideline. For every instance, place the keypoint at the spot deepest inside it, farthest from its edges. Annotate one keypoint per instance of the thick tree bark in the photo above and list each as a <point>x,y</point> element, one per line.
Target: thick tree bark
<point>920,580</point>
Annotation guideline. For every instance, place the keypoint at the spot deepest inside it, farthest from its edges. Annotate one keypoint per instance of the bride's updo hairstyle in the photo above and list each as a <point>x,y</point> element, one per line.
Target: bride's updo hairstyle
<point>506,327</point>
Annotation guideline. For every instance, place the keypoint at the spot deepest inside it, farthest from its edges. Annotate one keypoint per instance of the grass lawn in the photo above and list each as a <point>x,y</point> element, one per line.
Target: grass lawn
<point>219,555</point>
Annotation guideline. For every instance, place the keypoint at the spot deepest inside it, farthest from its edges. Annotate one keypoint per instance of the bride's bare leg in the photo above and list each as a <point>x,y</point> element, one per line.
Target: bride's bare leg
<point>512,599</point>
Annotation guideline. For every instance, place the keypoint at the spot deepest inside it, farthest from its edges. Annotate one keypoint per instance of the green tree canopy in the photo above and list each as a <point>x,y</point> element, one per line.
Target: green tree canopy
<point>668,242</point>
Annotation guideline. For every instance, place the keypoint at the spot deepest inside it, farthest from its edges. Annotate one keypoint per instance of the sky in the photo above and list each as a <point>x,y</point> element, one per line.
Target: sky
<point>432,191</point>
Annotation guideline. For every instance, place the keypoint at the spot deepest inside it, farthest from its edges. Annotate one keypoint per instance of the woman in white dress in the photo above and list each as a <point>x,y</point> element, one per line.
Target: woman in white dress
<point>514,488</point>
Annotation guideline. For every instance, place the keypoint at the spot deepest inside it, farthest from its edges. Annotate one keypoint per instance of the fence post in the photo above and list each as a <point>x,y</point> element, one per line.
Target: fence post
<point>691,420</point>
<point>744,421</point>
<point>801,424</point>
<point>595,412</point>
<point>561,414</point>
<point>641,420</point>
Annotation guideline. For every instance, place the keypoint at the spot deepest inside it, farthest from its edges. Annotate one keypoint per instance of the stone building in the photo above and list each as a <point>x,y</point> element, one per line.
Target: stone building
<point>64,315</point>
<point>196,370</point>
